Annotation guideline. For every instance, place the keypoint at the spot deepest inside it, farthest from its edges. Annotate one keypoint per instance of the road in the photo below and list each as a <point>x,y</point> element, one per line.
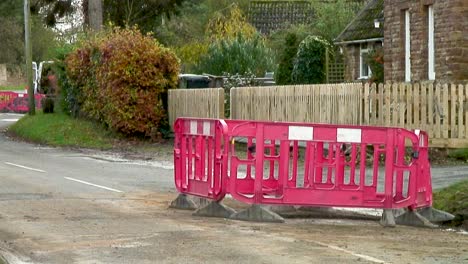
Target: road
<point>68,206</point>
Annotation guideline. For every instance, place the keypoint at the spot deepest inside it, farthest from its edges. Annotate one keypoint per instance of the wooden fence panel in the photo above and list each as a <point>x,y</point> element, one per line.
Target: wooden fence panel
<point>439,109</point>
<point>410,104</point>
<point>208,103</point>
<point>430,110</point>
<point>465,108</point>
<point>333,103</point>
<point>446,111</point>
<point>460,96</point>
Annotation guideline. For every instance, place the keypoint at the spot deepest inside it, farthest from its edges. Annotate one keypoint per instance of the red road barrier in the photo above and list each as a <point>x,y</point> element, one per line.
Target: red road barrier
<point>18,102</point>
<point>330,168</point>
<point>303,164</point>
<point>200,157</point>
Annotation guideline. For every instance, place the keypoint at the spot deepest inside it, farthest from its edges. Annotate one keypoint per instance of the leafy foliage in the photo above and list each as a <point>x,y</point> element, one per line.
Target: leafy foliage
<point>309,65</point>
<point>286,64</point>
<point>331,17</point>
<point>12,41</point>
<point>237,56</point>
<point>190,54</point>
<point>144,13</point>
<point>236,80</point>
<point>121,77</point>
<point>229,26</point>
<point>69,93</point>
<point>51,10</point>
<point>12,35</point>
<point>375,60</point>
<point>199,23</point>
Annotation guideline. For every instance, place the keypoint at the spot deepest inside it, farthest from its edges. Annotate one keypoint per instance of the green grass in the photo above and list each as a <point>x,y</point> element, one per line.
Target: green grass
<point>61,130</point>
<point>460,154</point>
<point>12,88</point>
<point>453,199</point>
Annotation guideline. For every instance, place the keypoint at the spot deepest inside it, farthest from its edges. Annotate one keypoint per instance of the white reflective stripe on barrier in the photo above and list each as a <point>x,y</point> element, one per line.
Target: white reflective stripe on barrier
<point>206,128</point>
<point>193,127</point>
<point>301,133</point>
<point>349,135</point>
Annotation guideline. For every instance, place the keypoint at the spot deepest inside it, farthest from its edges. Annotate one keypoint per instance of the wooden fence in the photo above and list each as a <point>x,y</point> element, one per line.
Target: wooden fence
<point>439,109</point>
<point>196,103</point>
<point>328,103</point>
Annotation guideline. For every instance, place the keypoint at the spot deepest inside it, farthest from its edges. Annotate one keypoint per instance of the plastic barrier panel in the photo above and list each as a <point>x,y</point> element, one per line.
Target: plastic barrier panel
<point>200,160</point>
<point>12,102</point>
<point>302,164</point>
<point>327,165</point>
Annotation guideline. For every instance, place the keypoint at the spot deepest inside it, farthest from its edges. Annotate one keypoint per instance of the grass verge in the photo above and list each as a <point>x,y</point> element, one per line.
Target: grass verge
<point>59,129</point>
<point>454,199</point>
<point>12,88</point>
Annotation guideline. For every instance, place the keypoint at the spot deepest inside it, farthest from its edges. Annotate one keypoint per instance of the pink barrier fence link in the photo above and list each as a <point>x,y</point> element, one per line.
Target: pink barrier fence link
<point>302,164</point>
<point>200,157</point>
<point>18,102</point>
<point>325,165</point>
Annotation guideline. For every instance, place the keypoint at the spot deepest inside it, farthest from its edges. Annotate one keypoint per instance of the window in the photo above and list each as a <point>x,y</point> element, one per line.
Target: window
<point>407,47</point>
<point>430,43</point>
<point>364,69</point>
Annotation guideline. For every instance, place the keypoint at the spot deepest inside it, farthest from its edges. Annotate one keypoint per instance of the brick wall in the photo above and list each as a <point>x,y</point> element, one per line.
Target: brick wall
<point>450,34</point>
<point>352,55</point>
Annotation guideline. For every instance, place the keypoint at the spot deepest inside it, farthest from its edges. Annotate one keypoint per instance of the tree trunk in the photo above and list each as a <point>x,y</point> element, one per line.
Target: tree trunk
<point>95,14</point>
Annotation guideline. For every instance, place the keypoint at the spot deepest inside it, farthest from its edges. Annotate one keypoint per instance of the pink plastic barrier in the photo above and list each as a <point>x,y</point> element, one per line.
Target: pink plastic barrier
<point>17,102</point>
<point>200,157</point>
<point>305,164</point>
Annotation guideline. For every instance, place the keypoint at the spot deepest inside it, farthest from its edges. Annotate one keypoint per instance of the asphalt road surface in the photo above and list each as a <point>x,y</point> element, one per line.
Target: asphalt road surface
<point>68,206</point>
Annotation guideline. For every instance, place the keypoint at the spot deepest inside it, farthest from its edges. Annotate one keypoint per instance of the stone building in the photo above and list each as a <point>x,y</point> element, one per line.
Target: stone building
<point>426,40</point>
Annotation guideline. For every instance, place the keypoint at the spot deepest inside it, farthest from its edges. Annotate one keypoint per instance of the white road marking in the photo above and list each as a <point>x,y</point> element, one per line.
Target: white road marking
<point>95,185</point>
<point>24,167</point>
<point>369,258</point>
<point>9,120</point>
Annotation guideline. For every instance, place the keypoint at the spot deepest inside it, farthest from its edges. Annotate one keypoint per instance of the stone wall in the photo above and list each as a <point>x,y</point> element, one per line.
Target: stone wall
<point>3,74</point>
<point>9,78</point>
<point>450,34</point>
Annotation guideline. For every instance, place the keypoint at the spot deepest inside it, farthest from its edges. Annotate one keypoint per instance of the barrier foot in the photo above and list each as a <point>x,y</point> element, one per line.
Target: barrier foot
<point>435,215</point>
<point>200,201</point>
<point>413,218</point>
<point>258,213</point>
<point>183,202</point>
<point>215,209</point>
<point>283,209</point>
<point>388,218</point>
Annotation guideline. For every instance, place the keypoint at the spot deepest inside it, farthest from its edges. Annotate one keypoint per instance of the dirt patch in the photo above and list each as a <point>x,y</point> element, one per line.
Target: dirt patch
<point>441,157</point>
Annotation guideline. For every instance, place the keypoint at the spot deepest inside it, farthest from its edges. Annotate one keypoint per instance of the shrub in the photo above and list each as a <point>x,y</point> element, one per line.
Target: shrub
<point>375,60</point>
<point>309,65</point>
<point>237,56</point>
<point>67,97</point>
<point>123,76</point>
<point>277,38</point>
<point>286,64</point>
<point>190,54</point>
<point>229,26</point>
